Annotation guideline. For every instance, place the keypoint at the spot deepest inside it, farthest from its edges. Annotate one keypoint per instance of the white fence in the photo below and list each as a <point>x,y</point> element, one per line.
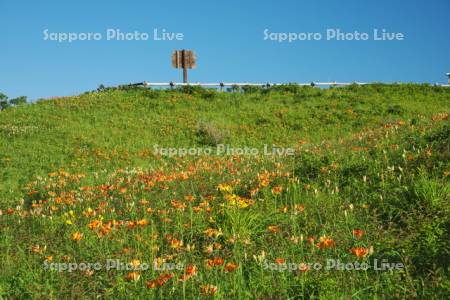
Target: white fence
<point>241,84</point>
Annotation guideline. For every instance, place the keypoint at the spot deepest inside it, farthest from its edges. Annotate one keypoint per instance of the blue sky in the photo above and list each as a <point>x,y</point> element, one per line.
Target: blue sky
<point>227,37</point>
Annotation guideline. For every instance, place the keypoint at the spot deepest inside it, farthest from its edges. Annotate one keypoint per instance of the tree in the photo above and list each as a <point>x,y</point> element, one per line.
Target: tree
<point>18,101</point>
<point>3,101</point>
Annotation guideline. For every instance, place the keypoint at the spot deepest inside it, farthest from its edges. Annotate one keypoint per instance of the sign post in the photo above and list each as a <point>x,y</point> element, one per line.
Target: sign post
<point>184,59</point>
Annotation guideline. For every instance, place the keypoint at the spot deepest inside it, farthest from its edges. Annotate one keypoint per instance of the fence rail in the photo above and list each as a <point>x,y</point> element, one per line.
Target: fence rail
<point>241,84</point>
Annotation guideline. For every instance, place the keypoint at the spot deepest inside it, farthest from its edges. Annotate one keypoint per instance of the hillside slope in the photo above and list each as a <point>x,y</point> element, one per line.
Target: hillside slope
<point>81,182</point>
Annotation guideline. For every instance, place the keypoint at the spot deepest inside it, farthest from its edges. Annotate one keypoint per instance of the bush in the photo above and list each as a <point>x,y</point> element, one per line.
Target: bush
<point>395,110</point>
<point>191,89</point>
<point>249,89</point>
<point>5,103</point>
<point>287,88</point>
<point>195,90</point>
<point>18,101</point>
<point>210,135</point>
<point>234,88</point>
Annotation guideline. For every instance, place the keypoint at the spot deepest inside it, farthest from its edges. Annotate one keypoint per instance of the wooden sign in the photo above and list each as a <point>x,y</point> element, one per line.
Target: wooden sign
<point>182,59</point>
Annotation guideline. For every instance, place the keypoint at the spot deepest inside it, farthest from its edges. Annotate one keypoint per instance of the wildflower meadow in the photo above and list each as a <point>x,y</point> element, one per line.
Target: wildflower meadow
<point>321,194</point>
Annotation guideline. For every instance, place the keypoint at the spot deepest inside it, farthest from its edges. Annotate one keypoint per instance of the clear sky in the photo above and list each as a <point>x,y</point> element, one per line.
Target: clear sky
<point>228,37</point>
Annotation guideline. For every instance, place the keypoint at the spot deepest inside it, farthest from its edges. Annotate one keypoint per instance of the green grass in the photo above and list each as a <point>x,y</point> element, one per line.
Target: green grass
<point>374,159</point>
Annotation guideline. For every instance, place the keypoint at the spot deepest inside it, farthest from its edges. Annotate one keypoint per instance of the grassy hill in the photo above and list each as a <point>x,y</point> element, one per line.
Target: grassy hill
<point>81,182</point>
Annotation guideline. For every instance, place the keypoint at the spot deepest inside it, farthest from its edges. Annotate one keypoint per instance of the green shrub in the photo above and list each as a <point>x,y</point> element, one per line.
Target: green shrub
<point>5,103</point>
<point>209,135</point>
